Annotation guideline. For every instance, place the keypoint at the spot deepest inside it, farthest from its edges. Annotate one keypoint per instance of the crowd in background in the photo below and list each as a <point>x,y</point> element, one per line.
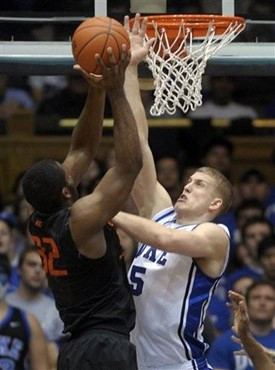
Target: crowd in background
<point>239,100</point>
<point>251,222</point>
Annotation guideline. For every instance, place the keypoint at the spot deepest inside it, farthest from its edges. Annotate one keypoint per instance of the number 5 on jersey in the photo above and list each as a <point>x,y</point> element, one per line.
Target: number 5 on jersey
<point>136,279</point>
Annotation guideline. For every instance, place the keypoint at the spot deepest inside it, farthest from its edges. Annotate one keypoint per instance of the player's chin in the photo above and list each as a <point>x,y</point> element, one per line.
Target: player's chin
<point>178,205</point>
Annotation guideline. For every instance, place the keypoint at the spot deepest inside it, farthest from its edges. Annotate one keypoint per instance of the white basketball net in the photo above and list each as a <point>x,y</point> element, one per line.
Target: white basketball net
<point>178,76</point>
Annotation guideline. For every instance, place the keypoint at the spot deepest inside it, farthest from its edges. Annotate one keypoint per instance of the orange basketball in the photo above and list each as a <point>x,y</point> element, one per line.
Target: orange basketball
<point>94,36</point>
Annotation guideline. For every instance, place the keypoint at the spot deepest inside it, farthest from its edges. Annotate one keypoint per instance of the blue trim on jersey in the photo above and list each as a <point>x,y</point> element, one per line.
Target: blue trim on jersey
<point>199,298</point>
<point>199,290</point>
<point>164,215</point>
<point>8,316</point>
<point>194,365</point>
<point>201,364</point>
<point>26,324</point>
<point>184,303</point>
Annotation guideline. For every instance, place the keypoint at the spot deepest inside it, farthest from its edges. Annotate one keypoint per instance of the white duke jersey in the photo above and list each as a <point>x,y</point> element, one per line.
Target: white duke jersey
<point>171,296</point>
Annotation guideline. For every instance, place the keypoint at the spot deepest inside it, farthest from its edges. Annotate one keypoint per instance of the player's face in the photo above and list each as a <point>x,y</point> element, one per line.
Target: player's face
<point>31,272</point>
<point>198,195</point>
<point>268,263</point>
<point>6,238</point>
<point>261,304</point>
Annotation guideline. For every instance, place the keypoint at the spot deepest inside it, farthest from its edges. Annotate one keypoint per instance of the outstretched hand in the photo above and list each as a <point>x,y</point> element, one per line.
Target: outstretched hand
<point>241,319</point>
<point>113,75</point>
<point>139,46</point>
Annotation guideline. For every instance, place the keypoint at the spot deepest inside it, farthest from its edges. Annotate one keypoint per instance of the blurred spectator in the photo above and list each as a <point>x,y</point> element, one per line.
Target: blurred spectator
<point>221,105</point>
<point>218,154</point>
<point>68,102</point>
<point>215,6</point>
<point>183,7</point>
<point>261,10</point>
<point>8,245</point>
<point>188,171</point>
<point>118,9</point>
<point>253,231</point>
<point>30,297</point>
<point>261,308</point>
<point>21,337</point>
<point>266,256</point>
<point>242,284</point>
<point>218,310</point>
<point>22,211</point>
<point>219,314</point>
<point>261,357</point>
<point>258,10</point>
<point>168,174</point>
<point>253,185</point>
<point>46,87</point>
<point>13,97</point>
<point>247,209</point>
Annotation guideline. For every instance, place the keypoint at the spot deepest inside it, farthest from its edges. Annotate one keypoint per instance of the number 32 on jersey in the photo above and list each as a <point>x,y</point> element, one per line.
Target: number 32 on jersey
<point>49,253</point>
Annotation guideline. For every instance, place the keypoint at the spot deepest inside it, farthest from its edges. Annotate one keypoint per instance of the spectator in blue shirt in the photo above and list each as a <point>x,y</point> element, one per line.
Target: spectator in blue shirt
<point>260,299</point>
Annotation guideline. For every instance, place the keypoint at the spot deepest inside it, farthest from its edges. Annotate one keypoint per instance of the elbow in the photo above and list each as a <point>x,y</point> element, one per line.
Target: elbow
<point>137,165</point>
<point>131,166</point>
<point>138,159</point>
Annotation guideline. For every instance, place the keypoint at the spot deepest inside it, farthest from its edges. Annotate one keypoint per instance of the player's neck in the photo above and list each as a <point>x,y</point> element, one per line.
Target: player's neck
<point>189,220</point>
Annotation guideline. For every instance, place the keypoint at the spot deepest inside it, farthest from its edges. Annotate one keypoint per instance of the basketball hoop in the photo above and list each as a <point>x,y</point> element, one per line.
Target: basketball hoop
<point>178,57</point>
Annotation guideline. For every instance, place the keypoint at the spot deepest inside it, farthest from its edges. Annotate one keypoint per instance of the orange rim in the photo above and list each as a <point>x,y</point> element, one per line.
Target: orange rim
<point>198,23</point>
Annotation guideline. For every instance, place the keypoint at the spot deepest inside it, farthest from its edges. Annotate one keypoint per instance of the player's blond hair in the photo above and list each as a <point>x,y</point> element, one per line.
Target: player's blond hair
<point>223,187</point>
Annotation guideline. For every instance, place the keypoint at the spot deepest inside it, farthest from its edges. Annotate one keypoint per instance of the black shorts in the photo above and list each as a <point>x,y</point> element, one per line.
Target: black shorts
<point>97,350</point>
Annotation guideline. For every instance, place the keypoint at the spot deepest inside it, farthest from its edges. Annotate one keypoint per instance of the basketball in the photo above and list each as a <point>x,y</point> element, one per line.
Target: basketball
<point>94,36</point>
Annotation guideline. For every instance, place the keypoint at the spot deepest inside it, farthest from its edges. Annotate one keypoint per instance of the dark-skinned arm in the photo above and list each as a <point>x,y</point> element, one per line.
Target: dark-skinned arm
<point>86,135</point>
<point>89,214</point>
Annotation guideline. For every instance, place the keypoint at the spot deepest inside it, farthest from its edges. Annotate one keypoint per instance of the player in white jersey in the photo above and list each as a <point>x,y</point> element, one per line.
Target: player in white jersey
<point>182,253</point>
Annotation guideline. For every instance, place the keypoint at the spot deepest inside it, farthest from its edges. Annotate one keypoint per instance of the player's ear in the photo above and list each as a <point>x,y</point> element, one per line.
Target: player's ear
<point>215,204</point>
<point>66,193</point>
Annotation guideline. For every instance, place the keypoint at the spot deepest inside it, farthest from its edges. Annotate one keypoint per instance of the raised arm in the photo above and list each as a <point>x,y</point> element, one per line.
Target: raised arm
<point>260,356</point>
<point>148,195</point>
<point>86,135</point>
<point>89,214</point>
